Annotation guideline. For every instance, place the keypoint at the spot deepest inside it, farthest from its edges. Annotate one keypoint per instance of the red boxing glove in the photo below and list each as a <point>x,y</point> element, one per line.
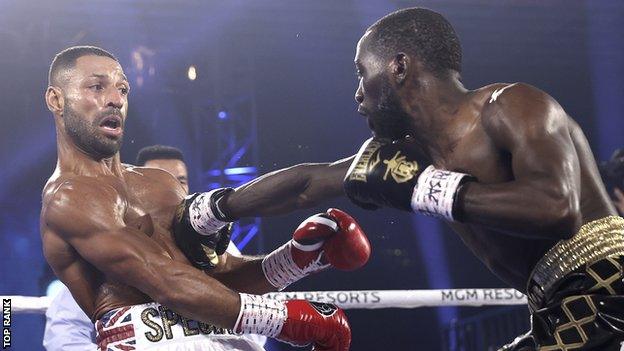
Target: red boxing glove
<point>323,240</point>
<point>309,239</point>
<point>349,249</point>
<point>337,235</point>
<point>322,324</point>
<point>298,322</point>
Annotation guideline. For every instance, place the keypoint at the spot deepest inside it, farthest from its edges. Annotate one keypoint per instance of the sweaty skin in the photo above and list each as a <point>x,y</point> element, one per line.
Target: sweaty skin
<point>106,229</point>
<point>537,180</point>
<point>176,167</point>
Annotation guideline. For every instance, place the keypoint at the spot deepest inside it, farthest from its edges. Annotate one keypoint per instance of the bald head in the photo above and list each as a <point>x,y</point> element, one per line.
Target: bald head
<point>66,60</point>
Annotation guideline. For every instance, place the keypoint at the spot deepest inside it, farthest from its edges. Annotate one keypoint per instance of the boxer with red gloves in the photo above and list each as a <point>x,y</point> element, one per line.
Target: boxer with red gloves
<point>108,232</point>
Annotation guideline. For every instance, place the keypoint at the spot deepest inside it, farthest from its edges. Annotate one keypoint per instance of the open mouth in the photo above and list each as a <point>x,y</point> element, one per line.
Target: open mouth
<point>111,122</point>
<point>111,125</point>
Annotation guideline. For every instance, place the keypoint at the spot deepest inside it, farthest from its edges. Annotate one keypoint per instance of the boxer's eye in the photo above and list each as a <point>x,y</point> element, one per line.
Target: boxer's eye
<point>96,87</point>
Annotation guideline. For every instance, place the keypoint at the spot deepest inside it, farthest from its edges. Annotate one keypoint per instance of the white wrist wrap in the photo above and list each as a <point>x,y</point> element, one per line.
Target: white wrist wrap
<point>281,270</point>
<point>202,218</point>
<point>435,192</point>
<point>260,315</point>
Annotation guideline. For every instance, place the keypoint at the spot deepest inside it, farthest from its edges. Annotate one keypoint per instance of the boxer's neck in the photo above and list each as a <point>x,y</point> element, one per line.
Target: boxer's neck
<point>73,159</point>
<point>434,108</point>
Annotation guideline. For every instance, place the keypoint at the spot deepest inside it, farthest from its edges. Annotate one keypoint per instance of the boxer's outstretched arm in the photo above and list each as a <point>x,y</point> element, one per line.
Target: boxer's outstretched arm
<point>543,200</point>
<point>282,191</point>
<point>90,219</point>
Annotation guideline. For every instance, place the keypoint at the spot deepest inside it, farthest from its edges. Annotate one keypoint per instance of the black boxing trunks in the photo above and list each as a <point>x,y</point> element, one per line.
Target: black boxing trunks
<point>576,292</point>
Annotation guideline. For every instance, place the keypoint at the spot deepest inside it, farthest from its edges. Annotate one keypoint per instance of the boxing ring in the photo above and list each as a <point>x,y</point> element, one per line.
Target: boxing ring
<point>472,333</point>
<point>352,299</point>
<point>489,327</point>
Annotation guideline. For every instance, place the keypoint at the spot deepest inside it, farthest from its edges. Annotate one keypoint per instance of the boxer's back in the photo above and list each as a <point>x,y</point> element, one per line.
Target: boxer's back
<point>144,196</point>
<point>511,255</point>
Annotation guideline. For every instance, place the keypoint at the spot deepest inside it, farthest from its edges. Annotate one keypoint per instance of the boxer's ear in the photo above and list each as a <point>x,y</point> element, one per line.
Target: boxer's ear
<point>55,100</point>
<point>400,66</point>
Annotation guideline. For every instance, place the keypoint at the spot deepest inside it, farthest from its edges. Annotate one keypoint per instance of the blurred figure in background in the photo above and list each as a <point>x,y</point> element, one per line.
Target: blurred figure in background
<point>165,157</point>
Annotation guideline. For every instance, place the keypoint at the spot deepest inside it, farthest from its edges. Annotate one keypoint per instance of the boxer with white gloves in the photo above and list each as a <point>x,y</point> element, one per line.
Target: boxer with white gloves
<point>536,212</point>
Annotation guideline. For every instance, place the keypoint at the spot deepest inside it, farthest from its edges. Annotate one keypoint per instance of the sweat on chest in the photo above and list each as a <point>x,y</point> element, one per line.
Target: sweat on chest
<point>479,159</point>
<point>140,220</point>
<point>146,213</point>
<point>156,224</point>
<point>145,223</point>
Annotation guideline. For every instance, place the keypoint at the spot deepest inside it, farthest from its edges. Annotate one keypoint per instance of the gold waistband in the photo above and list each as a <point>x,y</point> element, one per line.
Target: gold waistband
<point>595,240</point>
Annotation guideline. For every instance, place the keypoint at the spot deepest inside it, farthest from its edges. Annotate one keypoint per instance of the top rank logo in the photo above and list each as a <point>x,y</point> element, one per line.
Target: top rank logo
<point>6,323</point>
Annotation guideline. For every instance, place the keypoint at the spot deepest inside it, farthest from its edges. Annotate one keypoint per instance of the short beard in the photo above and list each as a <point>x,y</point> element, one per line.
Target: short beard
<point>87,137</point>
<point>390,121</point>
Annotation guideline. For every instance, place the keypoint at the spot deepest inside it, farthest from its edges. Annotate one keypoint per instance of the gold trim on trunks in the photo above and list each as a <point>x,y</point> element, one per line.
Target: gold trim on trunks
<point>595,240</point>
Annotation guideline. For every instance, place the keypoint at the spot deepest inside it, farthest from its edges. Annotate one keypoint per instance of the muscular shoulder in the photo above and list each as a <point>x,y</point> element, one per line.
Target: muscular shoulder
<point>157,185</point>
<point>155,176</point>
<point>81,203</point>
<point>67,191</point>
<point>520,110</point>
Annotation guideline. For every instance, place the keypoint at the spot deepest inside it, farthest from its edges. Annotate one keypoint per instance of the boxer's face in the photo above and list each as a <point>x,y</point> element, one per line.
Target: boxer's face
<point>176,167</point>
<point>95,108</point>
<point>377,98</point>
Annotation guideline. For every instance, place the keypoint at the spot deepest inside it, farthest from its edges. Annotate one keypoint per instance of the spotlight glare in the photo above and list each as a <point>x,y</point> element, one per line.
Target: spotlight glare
<point>222,115</point>
<point>192,73</point>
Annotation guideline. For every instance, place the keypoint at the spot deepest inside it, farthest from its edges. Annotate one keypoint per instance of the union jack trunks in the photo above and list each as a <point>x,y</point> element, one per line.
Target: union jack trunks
<point>154,327</point>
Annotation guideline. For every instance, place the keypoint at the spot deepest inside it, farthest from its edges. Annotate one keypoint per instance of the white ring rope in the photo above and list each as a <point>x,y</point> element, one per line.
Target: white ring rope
<point>354,299</point>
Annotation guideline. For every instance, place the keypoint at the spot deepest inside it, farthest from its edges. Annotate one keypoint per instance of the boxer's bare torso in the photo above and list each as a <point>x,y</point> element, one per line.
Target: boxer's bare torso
<point>537,180</point>
<point>147,199</point>
<point>511,254</point>
<point>105,228</point>
<point>500,234</point>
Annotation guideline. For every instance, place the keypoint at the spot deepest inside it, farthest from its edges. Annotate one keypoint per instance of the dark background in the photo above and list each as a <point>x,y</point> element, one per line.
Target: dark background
<point>293,62</point>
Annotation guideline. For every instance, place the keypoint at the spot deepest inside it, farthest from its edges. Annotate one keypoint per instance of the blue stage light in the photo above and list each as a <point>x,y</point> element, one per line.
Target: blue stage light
<point>240,170</point>
<point>222,115</point>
